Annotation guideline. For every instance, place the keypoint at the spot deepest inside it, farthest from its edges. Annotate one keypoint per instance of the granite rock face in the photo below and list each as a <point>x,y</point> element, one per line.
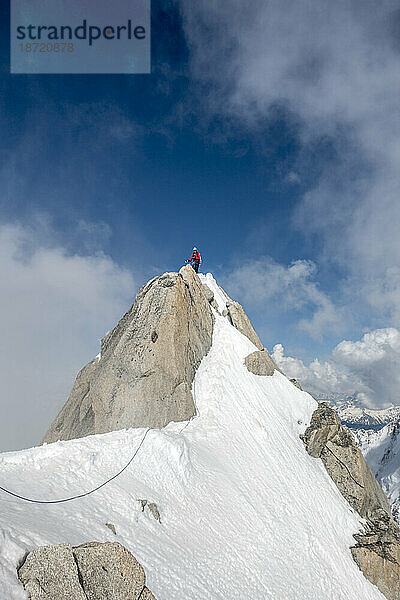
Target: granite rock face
<point>241,321</point>
<point>144,374</point>
<point>326,438</point>
<point>377,551</point>
<point>209,293</point>
<point>260,362</point>
<point>210,297</point>
<point>146,595</point>
<point>50,572</point>
<point>92,571</point>
<point>109,571</point>
<point>297,384</point>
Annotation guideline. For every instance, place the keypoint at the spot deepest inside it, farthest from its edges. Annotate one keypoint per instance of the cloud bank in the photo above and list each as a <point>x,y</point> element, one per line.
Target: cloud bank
<point>283,288</point>
<point>54,308</point>
<point>368,369</point>
<point>333,68</point>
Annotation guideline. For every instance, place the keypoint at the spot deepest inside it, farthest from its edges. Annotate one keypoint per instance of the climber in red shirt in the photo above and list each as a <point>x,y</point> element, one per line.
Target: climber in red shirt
<point>195,259</point>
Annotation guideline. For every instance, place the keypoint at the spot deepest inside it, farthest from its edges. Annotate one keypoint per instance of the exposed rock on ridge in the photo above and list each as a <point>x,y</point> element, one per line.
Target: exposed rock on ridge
<point>241,321</point>
<point>147,364</point>
<point>261,362</point>
<point>377,551</point>
<point>91,571</point>
<point>297,384</point>
<point>326,438</point>
<point>210,297</point>
<point>236,315</point>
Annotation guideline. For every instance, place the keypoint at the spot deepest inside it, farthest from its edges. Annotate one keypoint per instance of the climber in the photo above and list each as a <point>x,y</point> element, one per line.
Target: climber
<point>195,259</point>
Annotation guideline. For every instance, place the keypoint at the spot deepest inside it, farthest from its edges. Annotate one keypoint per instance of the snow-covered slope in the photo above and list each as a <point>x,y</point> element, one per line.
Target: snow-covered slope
<point>245,511</point>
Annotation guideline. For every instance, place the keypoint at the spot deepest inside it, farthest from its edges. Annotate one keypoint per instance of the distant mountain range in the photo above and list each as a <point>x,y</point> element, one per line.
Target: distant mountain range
<point>355,416</point>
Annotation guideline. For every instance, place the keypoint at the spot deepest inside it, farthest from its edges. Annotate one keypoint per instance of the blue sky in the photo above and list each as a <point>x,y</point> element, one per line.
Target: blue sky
<point>266,137</point>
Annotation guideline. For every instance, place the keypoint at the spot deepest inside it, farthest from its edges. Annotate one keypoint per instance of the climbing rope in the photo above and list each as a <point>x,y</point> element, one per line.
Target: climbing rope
<point>85,493</point>
<point>6,491</point>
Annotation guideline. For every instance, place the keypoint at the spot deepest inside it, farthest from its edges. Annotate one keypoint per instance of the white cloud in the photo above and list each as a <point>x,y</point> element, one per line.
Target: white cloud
<point>54,308</point>
<point>319,378</point>
<point>335,66</point>
<point>368,369</point>
<point>286,288</point>
<point>330,62</point>
<point>360,233</point>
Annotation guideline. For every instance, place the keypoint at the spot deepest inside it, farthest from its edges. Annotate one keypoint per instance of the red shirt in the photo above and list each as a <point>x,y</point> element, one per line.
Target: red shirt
<point>195,256</point>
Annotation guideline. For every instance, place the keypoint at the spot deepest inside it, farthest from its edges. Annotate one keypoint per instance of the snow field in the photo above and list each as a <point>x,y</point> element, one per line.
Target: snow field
<point>245,512</point>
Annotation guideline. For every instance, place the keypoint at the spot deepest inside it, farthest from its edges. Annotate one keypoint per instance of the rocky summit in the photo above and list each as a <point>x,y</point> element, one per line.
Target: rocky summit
<point>145,370</point>
<point>147,363</point>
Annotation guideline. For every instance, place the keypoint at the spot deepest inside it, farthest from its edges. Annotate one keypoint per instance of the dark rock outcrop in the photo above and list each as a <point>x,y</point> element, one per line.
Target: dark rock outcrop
<point>112,528</point>
<point>326,438</point>
<point>153,509</point>
<point>146,595</point>
<point>297,384</point>
<point>377,551</point>
<point>260,362</point>
<point>92,571</point>
<point>144,374</point>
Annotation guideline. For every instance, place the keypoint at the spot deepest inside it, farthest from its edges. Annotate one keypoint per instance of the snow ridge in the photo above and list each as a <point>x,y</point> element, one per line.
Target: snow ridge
<point>219,294</point>
<point>245,512</point>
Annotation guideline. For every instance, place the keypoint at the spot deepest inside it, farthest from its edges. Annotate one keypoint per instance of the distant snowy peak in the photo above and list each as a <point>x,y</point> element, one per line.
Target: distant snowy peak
<point>367,418</point>
<point>355,416</point>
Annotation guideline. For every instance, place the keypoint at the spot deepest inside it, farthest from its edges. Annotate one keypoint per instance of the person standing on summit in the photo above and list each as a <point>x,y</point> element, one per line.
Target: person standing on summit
<point>195,259</point>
